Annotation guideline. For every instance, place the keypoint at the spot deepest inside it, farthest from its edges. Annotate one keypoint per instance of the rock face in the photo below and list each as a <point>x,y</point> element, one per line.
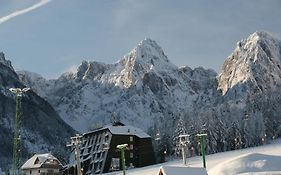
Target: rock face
<point>250,84</point>
<point>238,108</point>
<point>42,128</point>
<point>255,62</point>
<point>143,87</point>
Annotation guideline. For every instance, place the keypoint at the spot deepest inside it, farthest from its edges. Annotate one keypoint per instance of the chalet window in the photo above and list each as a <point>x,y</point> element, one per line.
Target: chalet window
<point>37,161</point>
<point>131,155</point>
<point>131,138</point>
<point>30,172</point>
<point>38,171</point>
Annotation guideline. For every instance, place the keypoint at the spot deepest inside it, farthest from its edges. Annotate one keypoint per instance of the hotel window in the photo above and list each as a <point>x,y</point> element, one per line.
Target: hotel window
<point>131,138</point>
<point>105,138</point>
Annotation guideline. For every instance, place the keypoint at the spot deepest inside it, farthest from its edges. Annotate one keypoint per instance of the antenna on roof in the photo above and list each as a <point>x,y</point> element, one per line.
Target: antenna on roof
<point>115,120</point>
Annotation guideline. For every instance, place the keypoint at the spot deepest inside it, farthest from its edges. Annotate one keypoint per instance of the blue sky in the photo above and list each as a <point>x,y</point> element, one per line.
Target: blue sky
<point>58,35</point>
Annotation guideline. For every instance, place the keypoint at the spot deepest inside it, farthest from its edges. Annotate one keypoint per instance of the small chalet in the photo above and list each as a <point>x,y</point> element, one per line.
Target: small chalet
<point>1,173</point>
<point>99,153</point>
<point>174,170</point>
<point>42,164</point>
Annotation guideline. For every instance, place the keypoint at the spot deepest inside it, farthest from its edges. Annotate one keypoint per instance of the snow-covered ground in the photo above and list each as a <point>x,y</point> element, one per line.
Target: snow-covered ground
<point>258,160</point>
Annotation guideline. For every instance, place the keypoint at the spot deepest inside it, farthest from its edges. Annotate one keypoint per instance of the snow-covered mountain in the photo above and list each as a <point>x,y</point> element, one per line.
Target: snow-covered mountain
<point>142,88</point>
<point>238,108</point>
<point>255,62</point>
<point>42,128</point>
<point>39,84</point>
<point>250,84</point>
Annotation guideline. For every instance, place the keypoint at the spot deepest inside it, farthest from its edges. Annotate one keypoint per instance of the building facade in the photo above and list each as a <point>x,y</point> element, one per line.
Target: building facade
<point>99,153</point>
<point>42,164</point>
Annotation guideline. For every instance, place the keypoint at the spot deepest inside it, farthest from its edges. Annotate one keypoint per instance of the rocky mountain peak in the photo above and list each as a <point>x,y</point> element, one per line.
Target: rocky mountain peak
<point>5,62</point>
<point>149,50</point>
<point>90,69</point>
<point>255,59</point>
<point>261,42</point>
<point>147,55</point>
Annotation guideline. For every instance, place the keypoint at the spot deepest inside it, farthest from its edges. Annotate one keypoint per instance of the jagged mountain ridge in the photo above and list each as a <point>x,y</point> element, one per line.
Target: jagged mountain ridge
<point>143,87</point>
<point>239,108</point>
<point>42,128</point>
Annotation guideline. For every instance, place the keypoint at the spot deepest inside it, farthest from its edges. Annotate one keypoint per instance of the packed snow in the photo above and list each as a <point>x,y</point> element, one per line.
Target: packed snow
<point>246,163</point>
<point>173,170</point>
<point>258,160</point>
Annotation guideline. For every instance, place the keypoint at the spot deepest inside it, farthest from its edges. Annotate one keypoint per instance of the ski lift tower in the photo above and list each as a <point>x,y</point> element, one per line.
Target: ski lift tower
<point>17,129</point>
<point>122,148</point>
<point>202,143</point>
<point>76,142</point>
<point>184,140</point>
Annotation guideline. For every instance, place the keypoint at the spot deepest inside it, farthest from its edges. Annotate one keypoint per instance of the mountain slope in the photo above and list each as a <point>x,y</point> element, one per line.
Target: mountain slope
<point>141,89</point>
<point>42,128</point>
<point>250,84</point>
<point>237,109</point>
<point>255,61</point>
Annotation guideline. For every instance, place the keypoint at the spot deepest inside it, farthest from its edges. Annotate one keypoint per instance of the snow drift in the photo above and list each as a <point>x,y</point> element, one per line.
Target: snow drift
<point>248,164</point>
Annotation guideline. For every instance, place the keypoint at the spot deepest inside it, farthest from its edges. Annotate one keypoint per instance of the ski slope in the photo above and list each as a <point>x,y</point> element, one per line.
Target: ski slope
<point>255,161</point>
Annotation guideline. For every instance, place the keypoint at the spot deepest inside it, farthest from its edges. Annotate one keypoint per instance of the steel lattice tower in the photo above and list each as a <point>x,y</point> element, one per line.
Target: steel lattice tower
<point>17,130</point>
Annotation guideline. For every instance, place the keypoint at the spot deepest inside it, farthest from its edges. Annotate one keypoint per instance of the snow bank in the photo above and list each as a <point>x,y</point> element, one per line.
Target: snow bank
<point>263,173</point>
<point>174,170</point>
<point>252,163</point>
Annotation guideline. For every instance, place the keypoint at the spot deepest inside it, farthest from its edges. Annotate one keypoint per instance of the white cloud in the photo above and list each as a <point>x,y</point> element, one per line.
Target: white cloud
<point>23,11</point>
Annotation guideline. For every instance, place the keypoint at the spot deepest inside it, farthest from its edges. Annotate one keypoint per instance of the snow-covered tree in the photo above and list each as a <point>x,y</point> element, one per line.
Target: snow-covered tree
<point>180,130</point>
